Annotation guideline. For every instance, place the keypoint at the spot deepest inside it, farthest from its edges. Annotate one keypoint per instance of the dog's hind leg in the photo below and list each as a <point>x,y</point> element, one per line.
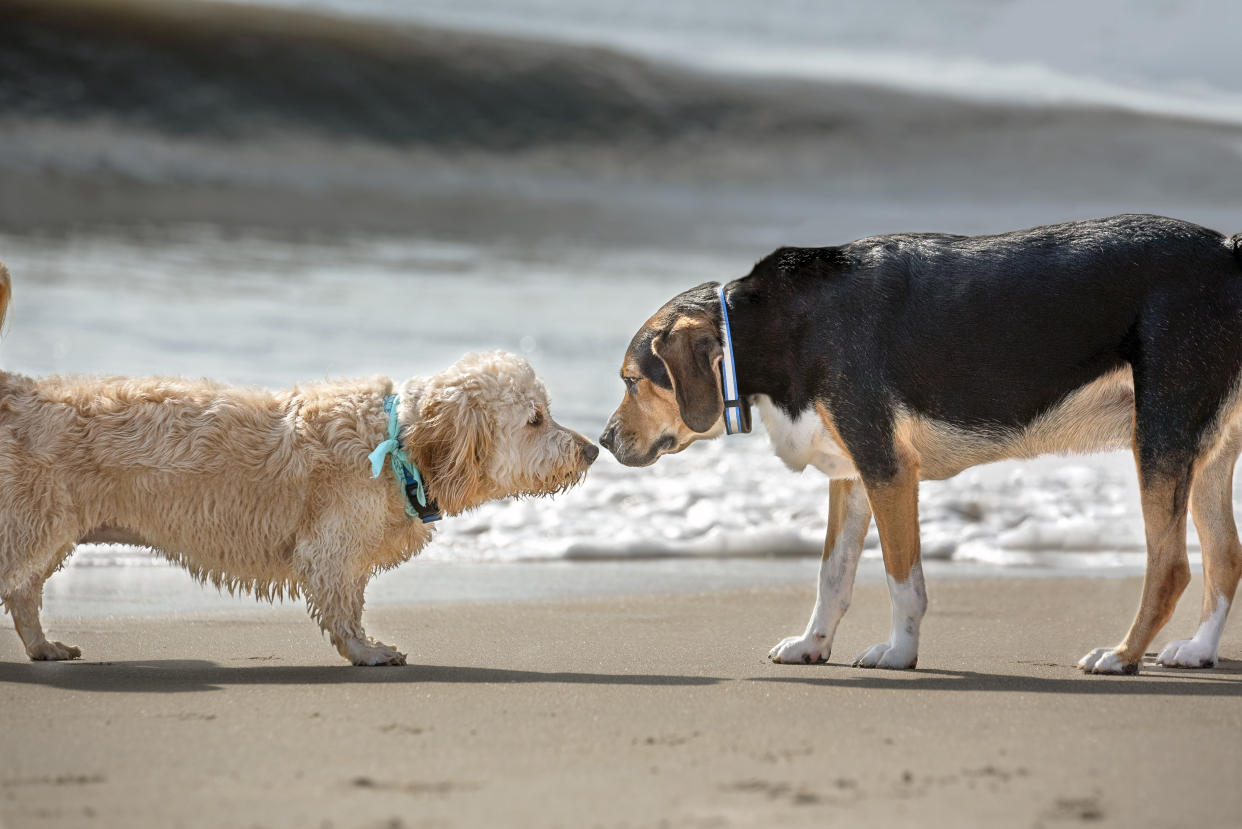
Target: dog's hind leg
<point>23,604</point>
<point>1211,506</point>
<point>849,516</point>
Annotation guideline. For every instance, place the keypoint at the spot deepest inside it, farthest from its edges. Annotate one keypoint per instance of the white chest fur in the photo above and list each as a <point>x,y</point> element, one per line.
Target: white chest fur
<point>803,441</point>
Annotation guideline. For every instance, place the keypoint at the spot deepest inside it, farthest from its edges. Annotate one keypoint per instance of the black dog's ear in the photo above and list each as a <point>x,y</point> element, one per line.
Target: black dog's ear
<point>691,353</point>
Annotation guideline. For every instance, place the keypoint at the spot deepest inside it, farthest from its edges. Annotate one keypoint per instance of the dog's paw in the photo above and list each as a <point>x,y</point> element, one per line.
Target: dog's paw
<point>1187,653</point>
<point>1106,661</point>
<point>376,654</point>
<point>887,656</point>
<point>52,652</point>
<point>801,650</point>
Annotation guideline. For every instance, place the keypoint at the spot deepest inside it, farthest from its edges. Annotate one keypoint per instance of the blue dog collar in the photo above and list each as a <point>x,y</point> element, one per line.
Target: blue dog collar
<point>417,503</point>
<point>736,412</point>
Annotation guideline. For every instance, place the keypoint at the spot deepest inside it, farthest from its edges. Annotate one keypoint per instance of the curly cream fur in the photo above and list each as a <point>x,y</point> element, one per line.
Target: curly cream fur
<point>259,491</point>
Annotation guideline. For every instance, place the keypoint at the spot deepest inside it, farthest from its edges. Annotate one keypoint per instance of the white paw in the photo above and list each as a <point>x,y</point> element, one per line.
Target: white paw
<point>1187,653</point>
<point>801,650</point>
<point>1106,661</point>
<point>52,651</point>
<point>375,653</point>
<point>887,656</point>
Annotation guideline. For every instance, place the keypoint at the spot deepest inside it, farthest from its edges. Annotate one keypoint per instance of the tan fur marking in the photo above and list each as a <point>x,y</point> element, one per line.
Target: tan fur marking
<point>839,490</point>
<point>1211,506</point>
<point>1167,573</point>
<point>1095,418</point>
<point>649,413</point>
<point>895,504</point>
<point>831,425</point>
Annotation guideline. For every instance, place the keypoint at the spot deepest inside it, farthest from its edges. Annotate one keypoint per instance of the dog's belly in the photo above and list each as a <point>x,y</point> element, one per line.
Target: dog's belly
<point>239,533</point>
<point>1097,417</point>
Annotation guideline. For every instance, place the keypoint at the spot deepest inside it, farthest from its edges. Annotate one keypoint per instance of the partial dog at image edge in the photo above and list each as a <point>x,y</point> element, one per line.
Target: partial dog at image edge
<point>273,493</point>
<point>909,357</point>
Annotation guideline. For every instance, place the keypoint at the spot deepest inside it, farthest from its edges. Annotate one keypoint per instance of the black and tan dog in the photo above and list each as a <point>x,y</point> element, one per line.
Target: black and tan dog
<point>914,356</point>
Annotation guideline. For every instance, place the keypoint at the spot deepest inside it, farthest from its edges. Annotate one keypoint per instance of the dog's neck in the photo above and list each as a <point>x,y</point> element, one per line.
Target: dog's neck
<point>411,394</point>
<point>755,344</point>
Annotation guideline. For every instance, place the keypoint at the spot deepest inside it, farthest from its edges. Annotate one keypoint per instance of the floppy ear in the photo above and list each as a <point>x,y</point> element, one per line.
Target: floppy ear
<point>691,353</point>
<point>451,444</point>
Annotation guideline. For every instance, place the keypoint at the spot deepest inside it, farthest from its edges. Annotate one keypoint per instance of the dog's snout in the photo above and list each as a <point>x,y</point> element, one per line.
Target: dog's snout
<point>590,451</point>
<point>607,439</point>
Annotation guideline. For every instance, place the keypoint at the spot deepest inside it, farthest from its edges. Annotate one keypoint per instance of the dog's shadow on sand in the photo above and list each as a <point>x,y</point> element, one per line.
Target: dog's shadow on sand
<point>196,675</point>
<point>189,675</point>
<point>1225,680</point>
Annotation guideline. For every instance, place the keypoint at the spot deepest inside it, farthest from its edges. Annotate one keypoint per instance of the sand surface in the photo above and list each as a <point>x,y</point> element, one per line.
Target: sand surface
<point>624,712</point>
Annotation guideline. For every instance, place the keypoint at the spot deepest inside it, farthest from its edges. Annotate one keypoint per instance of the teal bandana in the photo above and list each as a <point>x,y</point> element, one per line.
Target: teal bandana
<point>417,503</point>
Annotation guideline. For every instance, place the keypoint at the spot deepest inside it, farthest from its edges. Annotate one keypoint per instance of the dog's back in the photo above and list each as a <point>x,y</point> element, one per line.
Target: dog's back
<point>993,330</point>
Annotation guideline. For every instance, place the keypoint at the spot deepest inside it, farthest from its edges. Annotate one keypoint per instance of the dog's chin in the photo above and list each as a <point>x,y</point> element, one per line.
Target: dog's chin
<point>552,484</point>
<point>665,445</point>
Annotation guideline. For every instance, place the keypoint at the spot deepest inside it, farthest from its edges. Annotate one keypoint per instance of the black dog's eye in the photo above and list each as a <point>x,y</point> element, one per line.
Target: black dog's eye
<point>536,419</point>
<point>631,384</point>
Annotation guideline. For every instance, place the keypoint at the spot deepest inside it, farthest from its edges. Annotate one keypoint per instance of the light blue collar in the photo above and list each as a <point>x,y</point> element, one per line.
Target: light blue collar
<point>417,503</point>
<point>736,410</point>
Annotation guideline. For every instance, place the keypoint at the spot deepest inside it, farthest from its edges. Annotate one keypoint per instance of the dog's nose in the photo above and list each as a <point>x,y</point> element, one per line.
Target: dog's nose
<point>590,452</point>
<point>606,439</point>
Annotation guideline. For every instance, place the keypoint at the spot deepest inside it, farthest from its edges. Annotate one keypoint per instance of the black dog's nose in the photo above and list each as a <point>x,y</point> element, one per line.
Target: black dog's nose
<point>590,452</point>
<point>606,439</point>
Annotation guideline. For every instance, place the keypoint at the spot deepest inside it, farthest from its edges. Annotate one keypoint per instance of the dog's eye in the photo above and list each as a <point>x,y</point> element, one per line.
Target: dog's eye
<point>631,384</point>
<point>536,419</point>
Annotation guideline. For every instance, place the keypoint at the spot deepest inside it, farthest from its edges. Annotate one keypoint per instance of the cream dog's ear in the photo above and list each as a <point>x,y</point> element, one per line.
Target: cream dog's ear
<point>451,444</point>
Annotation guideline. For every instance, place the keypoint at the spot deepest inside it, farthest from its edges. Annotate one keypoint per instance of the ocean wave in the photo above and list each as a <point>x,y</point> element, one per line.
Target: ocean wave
<point>134,112</point>
<point>224,71</point>
<point>1042,52</point>
<point>235,71</point>
<point>1025,83</point>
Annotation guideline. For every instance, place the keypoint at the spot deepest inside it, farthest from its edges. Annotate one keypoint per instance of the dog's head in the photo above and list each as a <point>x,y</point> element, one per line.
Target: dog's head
<point>672,381</point>
<point>483,430</point>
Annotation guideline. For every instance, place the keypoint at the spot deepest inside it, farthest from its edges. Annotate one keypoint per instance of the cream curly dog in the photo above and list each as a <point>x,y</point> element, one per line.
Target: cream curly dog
<point>268,492</point>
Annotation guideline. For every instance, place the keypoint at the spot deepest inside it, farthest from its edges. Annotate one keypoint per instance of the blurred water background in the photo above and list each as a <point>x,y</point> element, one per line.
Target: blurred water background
<point>306,188</point>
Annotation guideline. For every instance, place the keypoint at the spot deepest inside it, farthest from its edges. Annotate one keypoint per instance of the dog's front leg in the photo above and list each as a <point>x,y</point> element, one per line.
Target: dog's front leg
<point>334,582</point>
<point>24,606</point>
<point>849,516</point>
<point>896,505</point>
<point>1164,501</point>
<point>338,609</point>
